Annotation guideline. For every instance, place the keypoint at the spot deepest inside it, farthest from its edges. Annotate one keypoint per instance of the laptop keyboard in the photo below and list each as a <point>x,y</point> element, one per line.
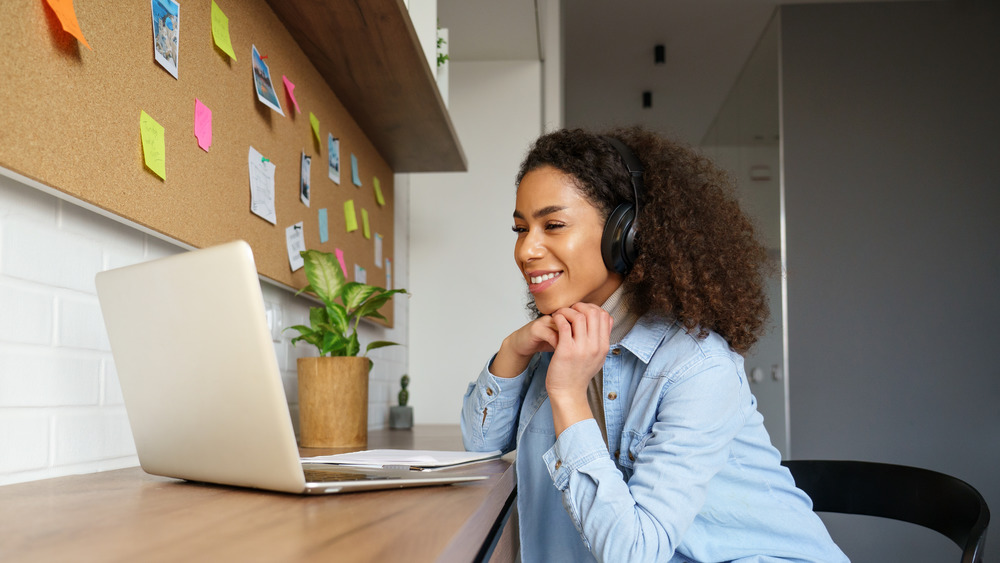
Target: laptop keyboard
<point>328,475</point>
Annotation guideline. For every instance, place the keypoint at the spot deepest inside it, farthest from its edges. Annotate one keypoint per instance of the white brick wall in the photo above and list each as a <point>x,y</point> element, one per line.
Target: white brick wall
<point>61,409</point>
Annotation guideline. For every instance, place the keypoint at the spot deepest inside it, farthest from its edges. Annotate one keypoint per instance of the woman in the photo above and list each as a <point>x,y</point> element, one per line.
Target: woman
<point>638,438</point>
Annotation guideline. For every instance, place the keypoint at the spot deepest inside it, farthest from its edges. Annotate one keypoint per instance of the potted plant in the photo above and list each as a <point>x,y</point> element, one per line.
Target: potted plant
<point>401,416</point>
<point>333,387</point>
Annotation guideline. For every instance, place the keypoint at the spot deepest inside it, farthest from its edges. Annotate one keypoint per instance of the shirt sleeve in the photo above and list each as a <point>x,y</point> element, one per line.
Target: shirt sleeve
<point>645,518</point>
<point>490,410</point>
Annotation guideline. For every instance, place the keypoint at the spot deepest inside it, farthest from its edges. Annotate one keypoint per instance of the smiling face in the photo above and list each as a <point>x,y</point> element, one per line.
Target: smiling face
<point>558,248</point>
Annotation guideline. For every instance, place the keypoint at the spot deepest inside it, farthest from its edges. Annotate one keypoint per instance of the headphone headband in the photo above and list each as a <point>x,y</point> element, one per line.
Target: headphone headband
<point>632,164</point>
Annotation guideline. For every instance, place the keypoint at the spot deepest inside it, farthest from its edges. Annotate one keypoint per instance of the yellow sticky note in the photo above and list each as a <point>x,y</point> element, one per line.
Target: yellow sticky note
<point>364,222</point>
<point>220,31</point>
<point>314,121</point>
<point>378,191</point>
<point>349,216</point>
<point>67,17</point>
<point>153,146</point>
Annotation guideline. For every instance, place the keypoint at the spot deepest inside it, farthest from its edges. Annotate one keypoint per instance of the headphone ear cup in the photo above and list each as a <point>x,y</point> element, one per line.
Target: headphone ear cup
<point>617,241</point>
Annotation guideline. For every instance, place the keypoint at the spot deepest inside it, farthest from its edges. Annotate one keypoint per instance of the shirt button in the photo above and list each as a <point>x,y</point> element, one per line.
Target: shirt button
<point>631,457</point>
<point>489,391</point>
<point>612,396</point>
<point>616,352</point>
<point>558,463</point>
<point>617,453</point>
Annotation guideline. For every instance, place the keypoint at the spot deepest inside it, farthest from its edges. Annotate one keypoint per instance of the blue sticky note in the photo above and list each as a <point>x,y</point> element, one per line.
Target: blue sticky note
<point>324,230</point>
<point>355,177</point>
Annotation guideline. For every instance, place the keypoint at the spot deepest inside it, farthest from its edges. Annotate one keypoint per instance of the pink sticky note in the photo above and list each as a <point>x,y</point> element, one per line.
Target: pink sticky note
<point>290,88</point>
<point>340,258</point>
<point>202,124</point>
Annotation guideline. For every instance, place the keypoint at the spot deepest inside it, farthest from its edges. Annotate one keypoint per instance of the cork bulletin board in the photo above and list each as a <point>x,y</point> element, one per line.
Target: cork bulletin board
<point>70,121</point>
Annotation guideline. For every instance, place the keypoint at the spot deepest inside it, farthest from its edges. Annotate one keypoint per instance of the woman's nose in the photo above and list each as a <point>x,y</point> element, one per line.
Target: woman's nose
<point>529,247</point>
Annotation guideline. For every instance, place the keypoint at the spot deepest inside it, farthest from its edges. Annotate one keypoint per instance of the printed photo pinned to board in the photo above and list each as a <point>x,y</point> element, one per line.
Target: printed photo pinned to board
<point>262,81</point>
<point>304,178</point>
<point>360,275</point>
<point>296,241</point>
<point>333,148</point>
<point>166,33</point>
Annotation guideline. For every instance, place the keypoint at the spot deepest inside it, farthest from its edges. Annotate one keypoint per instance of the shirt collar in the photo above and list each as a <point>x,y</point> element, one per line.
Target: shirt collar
<point>646,335</point>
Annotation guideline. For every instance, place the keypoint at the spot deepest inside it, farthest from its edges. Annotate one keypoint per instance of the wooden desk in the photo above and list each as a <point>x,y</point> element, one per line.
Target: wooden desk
<point>128,515</point>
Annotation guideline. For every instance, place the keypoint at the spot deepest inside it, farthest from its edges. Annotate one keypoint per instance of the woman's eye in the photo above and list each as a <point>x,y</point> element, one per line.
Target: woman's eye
<point>552,226</point>
<point>517,229</point>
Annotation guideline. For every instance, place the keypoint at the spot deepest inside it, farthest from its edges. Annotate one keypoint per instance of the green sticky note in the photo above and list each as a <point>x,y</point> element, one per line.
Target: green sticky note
<point>349,216</point>
<point>378,191</point>
<point>220,31</point>
<point>314,121</point>
<point>364,222</point>
<point>153,147</point>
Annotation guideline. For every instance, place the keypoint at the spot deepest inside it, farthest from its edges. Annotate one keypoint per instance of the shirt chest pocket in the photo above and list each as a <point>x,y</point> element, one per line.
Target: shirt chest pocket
<point>631,446</point>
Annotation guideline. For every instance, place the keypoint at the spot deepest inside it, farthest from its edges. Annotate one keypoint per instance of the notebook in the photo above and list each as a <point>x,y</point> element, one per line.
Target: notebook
<point>200,379</point>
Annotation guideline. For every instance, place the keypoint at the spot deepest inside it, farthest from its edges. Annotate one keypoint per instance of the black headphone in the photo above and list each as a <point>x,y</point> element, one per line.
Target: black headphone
<point>618,241</point>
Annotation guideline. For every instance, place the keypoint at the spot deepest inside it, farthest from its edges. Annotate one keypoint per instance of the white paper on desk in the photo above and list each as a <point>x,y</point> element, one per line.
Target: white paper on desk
<point>422,460</point>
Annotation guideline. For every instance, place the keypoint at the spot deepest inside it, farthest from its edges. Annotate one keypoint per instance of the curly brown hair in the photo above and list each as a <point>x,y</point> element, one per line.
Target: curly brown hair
<point>699,260</point>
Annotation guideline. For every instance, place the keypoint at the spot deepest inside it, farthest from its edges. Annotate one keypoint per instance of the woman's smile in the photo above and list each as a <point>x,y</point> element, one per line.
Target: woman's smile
<point>558,248</point>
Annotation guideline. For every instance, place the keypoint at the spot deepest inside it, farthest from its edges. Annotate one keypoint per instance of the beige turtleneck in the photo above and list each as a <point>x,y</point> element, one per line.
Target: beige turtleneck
<point>624,320</point>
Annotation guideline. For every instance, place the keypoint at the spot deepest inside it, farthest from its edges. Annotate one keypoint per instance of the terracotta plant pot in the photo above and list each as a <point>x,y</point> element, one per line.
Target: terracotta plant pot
<point>333,402</point>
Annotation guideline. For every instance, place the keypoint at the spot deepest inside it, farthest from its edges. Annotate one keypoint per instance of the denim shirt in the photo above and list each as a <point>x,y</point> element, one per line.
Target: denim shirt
<point>688,473</point>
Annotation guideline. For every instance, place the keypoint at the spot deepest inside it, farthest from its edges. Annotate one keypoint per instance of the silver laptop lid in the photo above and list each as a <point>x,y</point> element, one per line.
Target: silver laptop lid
<point>197,369</point>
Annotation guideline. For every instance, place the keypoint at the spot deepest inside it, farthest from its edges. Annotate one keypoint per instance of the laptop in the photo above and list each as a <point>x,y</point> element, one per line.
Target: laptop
<point>201,383</point>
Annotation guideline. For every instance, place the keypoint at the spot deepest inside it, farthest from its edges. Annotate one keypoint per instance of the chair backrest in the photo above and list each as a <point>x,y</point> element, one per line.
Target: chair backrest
<point>909,494</point>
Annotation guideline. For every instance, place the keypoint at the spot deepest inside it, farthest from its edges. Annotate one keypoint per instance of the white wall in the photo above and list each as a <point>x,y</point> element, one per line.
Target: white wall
<point>890,133</point>
<point>61,409</point>
<point>467,292</point>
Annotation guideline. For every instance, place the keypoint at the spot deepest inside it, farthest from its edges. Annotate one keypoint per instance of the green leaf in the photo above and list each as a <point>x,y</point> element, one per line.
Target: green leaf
<point>372,305</point>
<point>378,344</point>
<point>324,274</point>
<point>353,346</point>
<point>356,293</point>
<point>338,318</point>
<point>318,317</point>
<point>333,344</point>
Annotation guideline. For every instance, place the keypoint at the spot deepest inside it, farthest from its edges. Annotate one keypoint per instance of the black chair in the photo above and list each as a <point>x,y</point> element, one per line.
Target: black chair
<point>910,494</point>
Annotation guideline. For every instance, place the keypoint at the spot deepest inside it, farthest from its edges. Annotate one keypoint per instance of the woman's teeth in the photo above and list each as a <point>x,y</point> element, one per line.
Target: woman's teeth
<point>540,279</point>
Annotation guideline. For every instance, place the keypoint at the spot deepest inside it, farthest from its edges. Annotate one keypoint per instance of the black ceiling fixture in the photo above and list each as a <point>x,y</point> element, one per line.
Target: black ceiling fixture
<point>659,54</point>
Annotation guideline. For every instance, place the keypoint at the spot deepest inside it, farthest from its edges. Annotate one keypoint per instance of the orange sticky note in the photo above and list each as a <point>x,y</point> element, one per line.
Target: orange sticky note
<point>153,146</point>
<point>67,17</point>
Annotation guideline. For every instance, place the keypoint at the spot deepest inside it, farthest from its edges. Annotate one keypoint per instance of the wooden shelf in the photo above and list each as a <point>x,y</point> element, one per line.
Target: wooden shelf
<point>369,54</point>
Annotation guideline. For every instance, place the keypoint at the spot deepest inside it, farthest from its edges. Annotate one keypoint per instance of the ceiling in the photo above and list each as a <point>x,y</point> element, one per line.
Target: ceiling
<point>608,54</point>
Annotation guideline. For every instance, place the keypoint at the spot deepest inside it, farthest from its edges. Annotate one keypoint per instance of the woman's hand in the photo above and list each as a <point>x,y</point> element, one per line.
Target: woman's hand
<point>517,349</point>
<point>583,338</point>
